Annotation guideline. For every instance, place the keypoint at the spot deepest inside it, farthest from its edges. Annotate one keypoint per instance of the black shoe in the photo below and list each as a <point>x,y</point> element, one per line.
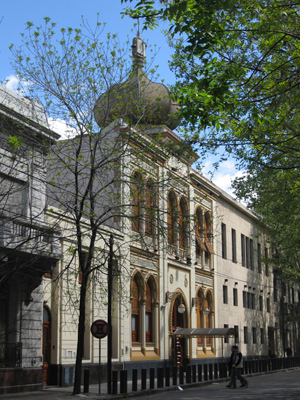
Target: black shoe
<point>229,386</point>
<point>244,385</point>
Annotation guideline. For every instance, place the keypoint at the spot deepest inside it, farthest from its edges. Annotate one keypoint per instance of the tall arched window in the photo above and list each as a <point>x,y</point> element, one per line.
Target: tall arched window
<point>209,315</point>
<point>208,232</point>
<point>150,203</point>
<point>183,223</point>
<point>199,230</point>
<point>149,313</point>
<point>135,310</point>
<point>136,202</point>
<point>200,314</point>
<point>172,217</point>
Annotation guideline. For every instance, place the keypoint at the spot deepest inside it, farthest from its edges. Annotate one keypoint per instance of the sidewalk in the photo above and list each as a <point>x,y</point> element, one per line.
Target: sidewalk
<point>277,385</point>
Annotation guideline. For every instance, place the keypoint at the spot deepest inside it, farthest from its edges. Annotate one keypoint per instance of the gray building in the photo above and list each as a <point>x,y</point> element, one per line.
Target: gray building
<point>28,247</point>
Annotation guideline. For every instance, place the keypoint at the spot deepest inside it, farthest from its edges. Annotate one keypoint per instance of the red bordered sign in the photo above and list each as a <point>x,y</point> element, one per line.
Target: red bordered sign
<point>99,329</point>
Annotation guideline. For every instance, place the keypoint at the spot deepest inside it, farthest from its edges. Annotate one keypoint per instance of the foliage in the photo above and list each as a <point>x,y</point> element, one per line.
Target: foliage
<point>237,66</point>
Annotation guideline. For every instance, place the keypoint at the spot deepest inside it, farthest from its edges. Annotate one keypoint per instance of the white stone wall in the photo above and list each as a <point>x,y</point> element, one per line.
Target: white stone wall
<point>31,330</point>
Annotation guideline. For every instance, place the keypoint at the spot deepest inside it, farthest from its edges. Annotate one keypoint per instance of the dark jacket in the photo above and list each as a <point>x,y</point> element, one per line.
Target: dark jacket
<point>229,364</point>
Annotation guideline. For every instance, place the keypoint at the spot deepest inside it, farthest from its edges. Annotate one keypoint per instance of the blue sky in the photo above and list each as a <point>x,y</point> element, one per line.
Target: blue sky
<point>69,13</point>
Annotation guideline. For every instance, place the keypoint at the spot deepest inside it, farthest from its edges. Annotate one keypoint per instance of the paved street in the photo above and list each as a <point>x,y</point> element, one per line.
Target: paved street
<point>281,385</point>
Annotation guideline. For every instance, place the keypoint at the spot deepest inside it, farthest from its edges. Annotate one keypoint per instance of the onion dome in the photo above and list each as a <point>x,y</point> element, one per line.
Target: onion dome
<point>138,100</point>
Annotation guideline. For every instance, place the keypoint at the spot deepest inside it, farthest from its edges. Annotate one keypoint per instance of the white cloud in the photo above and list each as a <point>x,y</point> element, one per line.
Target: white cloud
<point>13,83</point>
<point>224,181</point>
<point>59,126</point>
<point>224,176</point>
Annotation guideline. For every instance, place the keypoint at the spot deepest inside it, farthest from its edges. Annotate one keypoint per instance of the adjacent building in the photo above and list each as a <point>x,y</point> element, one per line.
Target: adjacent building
<point>28,247</point>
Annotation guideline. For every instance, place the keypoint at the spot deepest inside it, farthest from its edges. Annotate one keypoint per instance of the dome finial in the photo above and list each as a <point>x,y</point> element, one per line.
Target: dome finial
<point>138,33</point>
<point>138,49</point>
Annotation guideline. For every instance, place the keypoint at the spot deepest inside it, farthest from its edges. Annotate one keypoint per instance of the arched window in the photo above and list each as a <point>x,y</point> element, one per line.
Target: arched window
<point>183,224</point>
<point>149,314</point>
<point>199,230</point>
<point>200,313</point>
<point>150,203</point>
<point>208,232</point>
<point>209,315</point>
<point>172,217</point>
<point>136,202</point>
<point>135,310</point>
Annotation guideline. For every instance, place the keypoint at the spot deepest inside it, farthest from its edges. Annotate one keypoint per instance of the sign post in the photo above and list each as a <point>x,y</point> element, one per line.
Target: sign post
<point>99,330</point>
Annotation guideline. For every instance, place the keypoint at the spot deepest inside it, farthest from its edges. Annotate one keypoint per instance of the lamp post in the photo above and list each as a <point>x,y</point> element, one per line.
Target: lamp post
<point>109,296</point>
<point>282,315</point>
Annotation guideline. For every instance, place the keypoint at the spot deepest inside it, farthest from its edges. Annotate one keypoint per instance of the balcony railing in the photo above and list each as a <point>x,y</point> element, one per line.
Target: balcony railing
<point>10,354</point>
<point>23,235</point>
<point>172,250</point>
<point>182,253</point>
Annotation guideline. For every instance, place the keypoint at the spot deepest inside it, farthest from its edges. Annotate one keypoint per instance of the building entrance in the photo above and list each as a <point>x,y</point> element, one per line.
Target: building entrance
<point>46,343</point>
<point>178,321</point>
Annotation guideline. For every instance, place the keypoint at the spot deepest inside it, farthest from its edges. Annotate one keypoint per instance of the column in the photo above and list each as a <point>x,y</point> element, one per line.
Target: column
<point>156,327</point>
<point>143,326</point>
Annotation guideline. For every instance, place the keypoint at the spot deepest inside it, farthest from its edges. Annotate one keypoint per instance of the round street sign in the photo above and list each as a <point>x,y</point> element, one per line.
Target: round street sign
<point>99,329</point>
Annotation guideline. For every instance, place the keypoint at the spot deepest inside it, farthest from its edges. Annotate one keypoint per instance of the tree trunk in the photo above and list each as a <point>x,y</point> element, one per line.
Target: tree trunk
<point>80,340</point>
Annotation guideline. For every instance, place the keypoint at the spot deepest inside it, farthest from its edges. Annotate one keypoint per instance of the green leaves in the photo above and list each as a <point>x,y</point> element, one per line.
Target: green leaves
<point>14,143</point>
<point>237,67</point>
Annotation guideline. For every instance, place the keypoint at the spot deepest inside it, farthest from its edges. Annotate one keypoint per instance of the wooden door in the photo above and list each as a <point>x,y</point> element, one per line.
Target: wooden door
<point>46,344</point>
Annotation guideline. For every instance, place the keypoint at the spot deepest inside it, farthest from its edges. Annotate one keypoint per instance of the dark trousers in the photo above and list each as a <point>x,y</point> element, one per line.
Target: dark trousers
<point>237,373</point>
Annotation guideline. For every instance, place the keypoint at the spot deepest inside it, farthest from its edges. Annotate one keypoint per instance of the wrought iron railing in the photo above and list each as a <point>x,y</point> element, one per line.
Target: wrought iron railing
<point>10,354</point>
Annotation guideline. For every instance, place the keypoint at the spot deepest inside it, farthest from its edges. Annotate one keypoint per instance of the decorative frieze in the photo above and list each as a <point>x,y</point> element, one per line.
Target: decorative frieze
<point>175,183</point>
<point>143,263</point>
<point>143,167</point>
<point>203,202</point>
<point>203,280</point>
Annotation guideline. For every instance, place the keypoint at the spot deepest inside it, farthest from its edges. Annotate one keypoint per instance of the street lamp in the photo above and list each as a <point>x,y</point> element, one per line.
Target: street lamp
<point>181,308</point>
<point>109,300</point>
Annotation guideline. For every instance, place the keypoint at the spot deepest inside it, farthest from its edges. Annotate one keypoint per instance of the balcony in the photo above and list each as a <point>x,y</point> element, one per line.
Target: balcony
<point>10,355</point>
<point>25,237</point>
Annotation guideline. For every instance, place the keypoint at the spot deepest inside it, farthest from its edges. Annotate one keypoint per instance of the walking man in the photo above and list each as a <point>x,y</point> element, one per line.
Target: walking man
<point>236,368</point>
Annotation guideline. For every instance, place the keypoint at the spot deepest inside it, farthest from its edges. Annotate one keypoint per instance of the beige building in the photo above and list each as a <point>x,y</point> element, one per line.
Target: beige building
<point>166,260</point>
<point>250,297</point>
<point>165,243</point>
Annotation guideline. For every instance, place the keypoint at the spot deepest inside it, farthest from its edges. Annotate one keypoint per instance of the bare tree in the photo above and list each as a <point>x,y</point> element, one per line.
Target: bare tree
<point>91,186</point>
